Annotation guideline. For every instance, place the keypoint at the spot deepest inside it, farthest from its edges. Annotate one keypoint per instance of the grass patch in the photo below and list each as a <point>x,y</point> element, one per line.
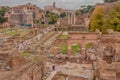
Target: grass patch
<point>4,30</point>
<point>25,54</point>
<point>89,45</point>
<point>63,48</point>
<point>13,33</point>
<point>37,59</point>
<point>18,32</point>
<point>76,48</point>
<point>63,36</point>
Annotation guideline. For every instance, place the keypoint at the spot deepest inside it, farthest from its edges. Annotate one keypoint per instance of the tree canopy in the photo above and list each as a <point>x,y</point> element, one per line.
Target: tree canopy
<point>110,0</point>
<point>62,15</point>
<point>52,17</point>
<point>97,19</point>
<point>87,9</point>
<point>2,13</point>
<point>104,18</point>
<point>2,20</point>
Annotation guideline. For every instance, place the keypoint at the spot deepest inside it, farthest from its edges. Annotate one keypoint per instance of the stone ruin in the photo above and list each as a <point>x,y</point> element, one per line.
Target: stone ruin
<point>107,71</point>
<point>14,66</point>
<point>10,61</point>
<point>106,58</point>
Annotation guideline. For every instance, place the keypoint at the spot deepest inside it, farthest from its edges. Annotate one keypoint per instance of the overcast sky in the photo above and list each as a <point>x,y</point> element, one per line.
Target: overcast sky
<point>66,4</point>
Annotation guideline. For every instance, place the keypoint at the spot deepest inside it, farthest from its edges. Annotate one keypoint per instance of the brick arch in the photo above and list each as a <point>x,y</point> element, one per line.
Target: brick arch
<point>83,39</point>
<point>109,53</point>
<point>110,48</point>
<point>83,43</point>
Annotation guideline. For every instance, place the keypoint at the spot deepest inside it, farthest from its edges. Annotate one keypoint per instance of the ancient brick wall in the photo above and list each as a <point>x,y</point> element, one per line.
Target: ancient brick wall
<point>32,73</point>
<point>29,71</point>
<point>83,38</point>
<point>27,8</point>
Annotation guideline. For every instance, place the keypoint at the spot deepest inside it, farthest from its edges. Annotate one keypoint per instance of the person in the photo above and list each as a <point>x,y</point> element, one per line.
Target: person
<point>53,68</point>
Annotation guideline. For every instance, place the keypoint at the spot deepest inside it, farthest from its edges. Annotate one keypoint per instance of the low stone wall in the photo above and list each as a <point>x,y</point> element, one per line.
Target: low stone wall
<point>29,71</point>
<point>32,73</point>
<point>108,71</point>
<point>60,40</point>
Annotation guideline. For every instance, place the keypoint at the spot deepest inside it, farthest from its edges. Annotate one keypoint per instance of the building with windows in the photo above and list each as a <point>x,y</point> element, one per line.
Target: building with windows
<point>24,14</point>
<point>53,9</point>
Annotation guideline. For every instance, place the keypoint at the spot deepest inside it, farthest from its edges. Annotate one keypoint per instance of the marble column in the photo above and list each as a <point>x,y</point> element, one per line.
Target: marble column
<point>83,52</point>
<point>55,50</point>
<point>74,18</point>
<point>68,18</point>
<point>69,48</point>
<point>71,18</point>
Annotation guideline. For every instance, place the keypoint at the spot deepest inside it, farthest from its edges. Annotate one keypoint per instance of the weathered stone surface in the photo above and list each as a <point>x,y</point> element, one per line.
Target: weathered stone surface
<point>107,75</point>
<point>28,71</point>
<point>17,60</point>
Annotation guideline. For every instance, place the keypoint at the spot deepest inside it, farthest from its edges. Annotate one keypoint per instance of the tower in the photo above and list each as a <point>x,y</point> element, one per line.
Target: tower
<point>54,4</point>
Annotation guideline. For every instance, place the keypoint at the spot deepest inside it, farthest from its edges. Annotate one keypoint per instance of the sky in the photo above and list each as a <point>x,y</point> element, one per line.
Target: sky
<point>66,4</point>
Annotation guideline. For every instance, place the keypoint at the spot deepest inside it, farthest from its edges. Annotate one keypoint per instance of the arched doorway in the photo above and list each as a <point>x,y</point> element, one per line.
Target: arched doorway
<point>109,53</point>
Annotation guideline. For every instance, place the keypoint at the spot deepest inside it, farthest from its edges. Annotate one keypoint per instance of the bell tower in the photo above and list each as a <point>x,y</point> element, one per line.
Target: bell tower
<point>54,4</point>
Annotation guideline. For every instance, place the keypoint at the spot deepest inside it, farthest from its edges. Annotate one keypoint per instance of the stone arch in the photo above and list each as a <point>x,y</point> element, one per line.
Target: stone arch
<point>109,53</point>
<point>89,45</point>
<point>76,47</point>
<point>109,50</point>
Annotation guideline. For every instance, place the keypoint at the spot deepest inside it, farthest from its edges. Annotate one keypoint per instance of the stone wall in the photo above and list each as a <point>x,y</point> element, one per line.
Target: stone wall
<point>83,38</point>
<point>28,71</point>
<point>27,11</point>
<point>32,73</point>
<point>107,71</point>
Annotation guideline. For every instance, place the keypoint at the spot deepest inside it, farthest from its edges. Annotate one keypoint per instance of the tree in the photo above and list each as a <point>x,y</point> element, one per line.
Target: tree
<point>47,12</point>
<point>36,21</point>
<point>108,1</point>
<point>52,17</point>
<point>112,19</point>
<point>3,11</point>
<point>63,15</point>
<point>2,20</point>
<point>87,9</point>
<point>97,19</point>
<point>77,12</point>
<point>106,18</point>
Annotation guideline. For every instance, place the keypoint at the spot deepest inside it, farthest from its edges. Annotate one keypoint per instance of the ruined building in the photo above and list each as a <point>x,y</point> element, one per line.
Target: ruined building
<point>53,9</point>
<point>24,14</point>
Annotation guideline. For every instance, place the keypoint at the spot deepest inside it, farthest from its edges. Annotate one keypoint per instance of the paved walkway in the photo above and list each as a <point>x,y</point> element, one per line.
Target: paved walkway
<point>50,77</point>
<point>73,69</point>
<point>25,44</point>
<point>52,39</point>
<point>78,70</point>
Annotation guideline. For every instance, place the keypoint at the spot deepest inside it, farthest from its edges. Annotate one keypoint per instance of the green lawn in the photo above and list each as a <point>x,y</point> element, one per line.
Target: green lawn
<point>89,45</point>
<point>63,48</point>
<point>4,30</point>
<point>17,32</point>
<point>76,48</point>
<point>13,33</point>
<point>63,36</point>
<point>25,54</point>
